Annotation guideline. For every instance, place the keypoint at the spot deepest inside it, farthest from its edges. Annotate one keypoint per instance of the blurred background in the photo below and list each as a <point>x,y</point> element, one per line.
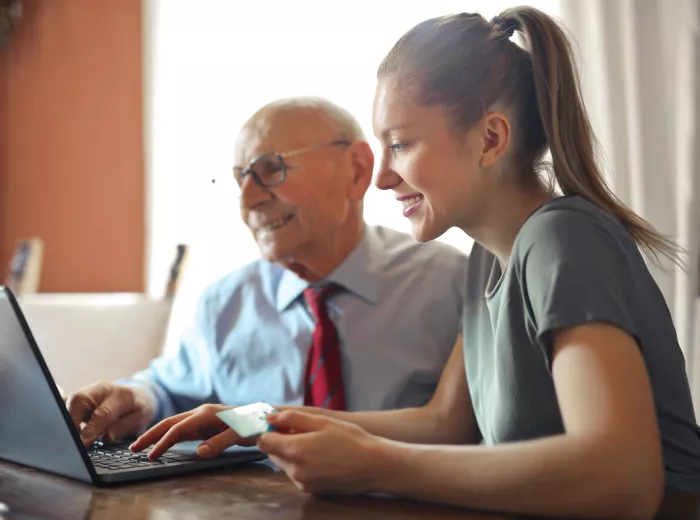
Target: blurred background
<point>116,114</point>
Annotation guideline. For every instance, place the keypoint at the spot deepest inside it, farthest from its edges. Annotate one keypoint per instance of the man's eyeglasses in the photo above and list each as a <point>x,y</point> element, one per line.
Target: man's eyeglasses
<point>270,169</point>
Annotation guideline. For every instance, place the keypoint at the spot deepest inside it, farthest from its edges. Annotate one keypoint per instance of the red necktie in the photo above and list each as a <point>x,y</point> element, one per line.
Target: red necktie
<point>324,376</point>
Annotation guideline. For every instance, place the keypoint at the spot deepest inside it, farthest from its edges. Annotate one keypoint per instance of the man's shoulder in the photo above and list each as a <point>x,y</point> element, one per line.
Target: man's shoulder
<point>254,276</point>
<point>414,276</point>
<point>398,248</point>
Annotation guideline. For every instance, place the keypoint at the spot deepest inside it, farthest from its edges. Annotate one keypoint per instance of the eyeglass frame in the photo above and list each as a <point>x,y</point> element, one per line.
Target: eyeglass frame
<point>280,157</point>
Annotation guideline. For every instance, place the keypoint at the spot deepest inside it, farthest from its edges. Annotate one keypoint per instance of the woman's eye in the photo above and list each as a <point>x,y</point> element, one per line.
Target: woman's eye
<point>396,147</point>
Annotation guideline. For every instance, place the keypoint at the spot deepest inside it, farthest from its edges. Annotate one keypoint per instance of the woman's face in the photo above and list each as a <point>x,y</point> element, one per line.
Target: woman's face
<point>435,173</point>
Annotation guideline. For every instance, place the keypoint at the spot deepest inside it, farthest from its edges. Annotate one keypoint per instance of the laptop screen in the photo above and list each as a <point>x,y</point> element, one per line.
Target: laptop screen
<point>34,424</point>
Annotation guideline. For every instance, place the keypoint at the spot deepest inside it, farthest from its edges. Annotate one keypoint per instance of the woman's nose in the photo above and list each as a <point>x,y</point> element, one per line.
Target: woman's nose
<point>386,177</point>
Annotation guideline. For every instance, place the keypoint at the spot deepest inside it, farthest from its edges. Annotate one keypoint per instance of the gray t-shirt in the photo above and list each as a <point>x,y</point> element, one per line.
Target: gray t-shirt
<point>572,263</point>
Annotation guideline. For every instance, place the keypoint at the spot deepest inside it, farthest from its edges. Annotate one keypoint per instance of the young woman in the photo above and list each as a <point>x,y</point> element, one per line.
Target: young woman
<point>567,395</point>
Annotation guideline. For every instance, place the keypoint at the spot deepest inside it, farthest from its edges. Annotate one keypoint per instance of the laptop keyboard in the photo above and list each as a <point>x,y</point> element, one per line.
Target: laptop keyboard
<point>116,458</point>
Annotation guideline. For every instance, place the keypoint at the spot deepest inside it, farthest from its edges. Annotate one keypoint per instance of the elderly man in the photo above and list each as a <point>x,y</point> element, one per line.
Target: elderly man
<point>337,314</point>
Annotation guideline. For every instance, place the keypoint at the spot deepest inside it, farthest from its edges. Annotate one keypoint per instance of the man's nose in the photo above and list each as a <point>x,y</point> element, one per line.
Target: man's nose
<point>252,194</point>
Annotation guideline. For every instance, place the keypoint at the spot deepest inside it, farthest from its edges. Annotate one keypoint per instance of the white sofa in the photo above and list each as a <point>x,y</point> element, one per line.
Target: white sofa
<point>86,337</point>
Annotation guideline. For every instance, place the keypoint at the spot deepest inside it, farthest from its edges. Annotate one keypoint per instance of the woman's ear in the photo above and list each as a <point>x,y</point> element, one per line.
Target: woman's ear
<point>362,167</point>
<point>496,137</point>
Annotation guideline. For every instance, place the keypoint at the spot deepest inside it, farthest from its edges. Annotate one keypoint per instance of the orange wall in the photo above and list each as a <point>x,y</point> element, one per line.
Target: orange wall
<point>71,143</point>
<point>3,162</point>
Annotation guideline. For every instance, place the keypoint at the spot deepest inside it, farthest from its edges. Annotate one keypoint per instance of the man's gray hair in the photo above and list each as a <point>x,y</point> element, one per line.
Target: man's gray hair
<point>348,127</point>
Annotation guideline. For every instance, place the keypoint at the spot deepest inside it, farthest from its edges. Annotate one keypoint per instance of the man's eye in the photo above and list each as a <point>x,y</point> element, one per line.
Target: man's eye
<point>268,167</point>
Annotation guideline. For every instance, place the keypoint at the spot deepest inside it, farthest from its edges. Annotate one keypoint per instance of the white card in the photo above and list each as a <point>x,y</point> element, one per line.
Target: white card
<point>248,420</point>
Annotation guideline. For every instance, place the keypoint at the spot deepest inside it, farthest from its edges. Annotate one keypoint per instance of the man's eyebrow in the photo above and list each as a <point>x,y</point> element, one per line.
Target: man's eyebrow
<point>273,150</point>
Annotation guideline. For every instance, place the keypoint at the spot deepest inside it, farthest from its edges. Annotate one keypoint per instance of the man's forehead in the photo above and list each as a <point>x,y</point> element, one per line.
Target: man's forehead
<point>282,131</point>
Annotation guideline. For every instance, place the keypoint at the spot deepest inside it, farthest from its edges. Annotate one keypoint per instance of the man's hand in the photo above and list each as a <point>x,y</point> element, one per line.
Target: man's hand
<point>113,410</point>
<point>200,423</point>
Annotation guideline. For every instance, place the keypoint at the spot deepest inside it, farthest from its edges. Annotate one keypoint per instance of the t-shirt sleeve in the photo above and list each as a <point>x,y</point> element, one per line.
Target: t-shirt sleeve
<point>573,271</point>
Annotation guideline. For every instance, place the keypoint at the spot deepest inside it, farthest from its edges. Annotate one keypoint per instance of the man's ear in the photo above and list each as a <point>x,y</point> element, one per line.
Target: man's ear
<point>362,167</point>
<point>495,128</point>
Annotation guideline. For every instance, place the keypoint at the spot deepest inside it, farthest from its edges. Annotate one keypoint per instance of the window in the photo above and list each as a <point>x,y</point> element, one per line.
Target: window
<point>210,64</point>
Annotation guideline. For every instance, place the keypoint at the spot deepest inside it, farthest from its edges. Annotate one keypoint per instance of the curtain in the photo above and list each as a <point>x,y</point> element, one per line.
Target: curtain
<point>639,65</point>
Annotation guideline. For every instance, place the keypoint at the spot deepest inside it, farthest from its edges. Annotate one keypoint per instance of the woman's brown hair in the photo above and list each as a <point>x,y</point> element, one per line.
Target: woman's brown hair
<point>467,64</point>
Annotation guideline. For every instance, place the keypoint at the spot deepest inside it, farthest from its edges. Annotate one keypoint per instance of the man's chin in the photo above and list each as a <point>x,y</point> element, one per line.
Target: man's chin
<point>284,259</point>
<point>274,254</point>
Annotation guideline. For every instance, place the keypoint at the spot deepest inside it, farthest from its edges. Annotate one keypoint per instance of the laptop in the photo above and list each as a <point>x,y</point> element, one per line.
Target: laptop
<point>37,431</point>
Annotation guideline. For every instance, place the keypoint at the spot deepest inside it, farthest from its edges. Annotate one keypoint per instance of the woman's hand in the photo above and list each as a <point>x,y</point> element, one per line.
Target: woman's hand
<point>200,423</point>
<point>323,455</point>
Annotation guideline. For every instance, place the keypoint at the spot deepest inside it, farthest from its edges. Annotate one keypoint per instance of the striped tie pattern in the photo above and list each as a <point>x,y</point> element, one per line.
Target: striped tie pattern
<point>324,375</point>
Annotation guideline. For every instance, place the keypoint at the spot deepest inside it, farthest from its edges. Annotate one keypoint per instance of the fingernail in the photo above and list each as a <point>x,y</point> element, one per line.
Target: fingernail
<point>203,450</point>
<point>131,446</point>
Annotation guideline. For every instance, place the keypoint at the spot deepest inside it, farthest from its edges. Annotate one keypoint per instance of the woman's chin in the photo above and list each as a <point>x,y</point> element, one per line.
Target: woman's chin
<point>423,233</point>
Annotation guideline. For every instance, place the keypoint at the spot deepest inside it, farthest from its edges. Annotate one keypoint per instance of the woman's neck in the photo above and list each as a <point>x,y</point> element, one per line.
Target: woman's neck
<point>505,215</point>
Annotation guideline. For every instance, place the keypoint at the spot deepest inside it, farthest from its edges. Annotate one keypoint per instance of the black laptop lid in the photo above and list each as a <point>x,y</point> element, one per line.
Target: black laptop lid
<point>35,427</point>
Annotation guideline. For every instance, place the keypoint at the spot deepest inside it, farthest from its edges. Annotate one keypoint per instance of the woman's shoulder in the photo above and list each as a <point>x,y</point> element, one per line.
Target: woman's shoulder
<point>573,223</point>
<point>574,235</point>
<point>572,210</point>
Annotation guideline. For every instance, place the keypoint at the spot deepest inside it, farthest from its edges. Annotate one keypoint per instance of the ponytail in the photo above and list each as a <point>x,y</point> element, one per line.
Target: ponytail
<point>568,131</point>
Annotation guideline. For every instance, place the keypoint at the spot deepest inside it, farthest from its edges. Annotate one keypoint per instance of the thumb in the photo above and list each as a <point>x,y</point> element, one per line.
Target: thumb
<point>297,421</point>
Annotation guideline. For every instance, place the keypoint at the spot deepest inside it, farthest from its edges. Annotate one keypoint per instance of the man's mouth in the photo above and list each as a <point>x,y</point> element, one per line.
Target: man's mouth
<point>272,226</point>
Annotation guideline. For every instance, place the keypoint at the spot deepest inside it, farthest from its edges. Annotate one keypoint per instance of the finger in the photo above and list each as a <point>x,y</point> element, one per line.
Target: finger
<point>126,426</point>
<point>118,403</point>
<point>298,421</point>
<point>291,469</point>
<point>280,445</point>
<point>82,404</point>
<point>155,433</point>
<point>282,464</point>
<point>198,426</point>
<point>80,407</point>
<point>218,443</point>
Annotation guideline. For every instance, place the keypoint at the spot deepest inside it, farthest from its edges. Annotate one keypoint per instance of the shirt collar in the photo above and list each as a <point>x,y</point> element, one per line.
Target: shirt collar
<point>356,274</point>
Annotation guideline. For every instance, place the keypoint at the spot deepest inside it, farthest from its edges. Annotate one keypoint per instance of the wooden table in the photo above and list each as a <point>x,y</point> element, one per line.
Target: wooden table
<point>254,492</point>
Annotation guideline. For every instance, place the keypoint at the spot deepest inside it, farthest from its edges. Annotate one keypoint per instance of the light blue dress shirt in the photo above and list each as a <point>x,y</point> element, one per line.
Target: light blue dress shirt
<point>397,320</point>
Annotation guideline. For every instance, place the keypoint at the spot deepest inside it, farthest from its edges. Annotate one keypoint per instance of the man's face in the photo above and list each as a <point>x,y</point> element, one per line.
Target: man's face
<point>313,202</point>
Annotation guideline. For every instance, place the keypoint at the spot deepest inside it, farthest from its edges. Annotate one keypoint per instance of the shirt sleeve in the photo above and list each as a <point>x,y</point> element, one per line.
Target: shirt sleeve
<point>182,381</point>
<point>573,271</point>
